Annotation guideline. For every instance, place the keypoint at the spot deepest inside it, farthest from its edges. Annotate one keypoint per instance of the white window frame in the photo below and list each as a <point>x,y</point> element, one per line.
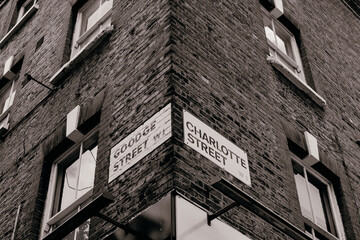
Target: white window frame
<point>10,99</point>
<point>22,12</point>
<point>12,77</point>
<point>80,41</point>
<point>50,220</point>
<point>19,23</point>
<point>279,55</point>
<point>334,207</point>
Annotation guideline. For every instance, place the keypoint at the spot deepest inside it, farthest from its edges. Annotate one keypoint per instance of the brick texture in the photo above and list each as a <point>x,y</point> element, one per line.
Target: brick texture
<point>208,57</point>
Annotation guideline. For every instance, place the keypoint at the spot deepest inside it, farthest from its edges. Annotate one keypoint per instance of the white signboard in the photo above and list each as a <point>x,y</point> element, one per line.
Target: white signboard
<point>216,148</point>
<point>141,142</point>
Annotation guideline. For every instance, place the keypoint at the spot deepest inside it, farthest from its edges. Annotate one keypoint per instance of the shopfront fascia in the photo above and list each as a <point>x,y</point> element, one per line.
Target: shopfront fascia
<point>174,217</point>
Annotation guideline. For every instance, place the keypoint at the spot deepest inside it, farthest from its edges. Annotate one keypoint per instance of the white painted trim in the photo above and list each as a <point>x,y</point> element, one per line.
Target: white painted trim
<point>336,214</point>
<point>47,219</point>
<point>278,10</point>
<point>8,74</point>
<point>296,81</point>
<point>332,199</point>
<point>79,41</point>
<point>313,150</point>
<point>4,122</point>
<point>10,99</point>
<point>296,62</point>
<point>45,228</point>
<point>72,207</point>
<point>85,51</point>
<point>97,25</point>
<point>283,55</point>
<point>72,121</point>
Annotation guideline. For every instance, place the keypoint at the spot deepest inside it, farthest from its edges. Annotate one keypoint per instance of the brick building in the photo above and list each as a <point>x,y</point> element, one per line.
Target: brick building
<point>179,119</point>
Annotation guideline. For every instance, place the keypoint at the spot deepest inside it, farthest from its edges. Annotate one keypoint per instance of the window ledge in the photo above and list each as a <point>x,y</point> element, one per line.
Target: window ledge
<point>74,61</point>
<point>282,54</point>
<point>67,211</point>
<point>319,229</point>
<point>296,81</point>
<point>19,25</point>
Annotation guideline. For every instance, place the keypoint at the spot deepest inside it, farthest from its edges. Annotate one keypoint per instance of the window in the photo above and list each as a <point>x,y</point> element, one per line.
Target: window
<point>71,183</point>
<point>282,46</point>
<point>91,18</point>
<point>21,14</point>
<point>317,201</point>
<point>22,7</point>
<point>7,94</point>
<point>75,176</point>
<point>8,84</point>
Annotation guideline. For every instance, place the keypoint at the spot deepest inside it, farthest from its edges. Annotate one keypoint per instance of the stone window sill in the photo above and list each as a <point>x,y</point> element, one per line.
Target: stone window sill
<point>74,61</point>
<point>19,25</point>
<point>319,229</point>
<point>296,81</point>
<point>67,212</point>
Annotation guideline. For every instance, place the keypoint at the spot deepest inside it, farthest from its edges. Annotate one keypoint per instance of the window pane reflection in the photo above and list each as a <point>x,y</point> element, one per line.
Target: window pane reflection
<point>78,177</point>
<point>154,222</point>
<point>314,199</point>
<point>283,37</point>
<point>87,171</point>
<point>4,98</point>
<point>302,191</point>
<point>317,192</point>
<point>90,16</point>
<point>191,223</point>
<point>80,233</point>
<point>69,184</point>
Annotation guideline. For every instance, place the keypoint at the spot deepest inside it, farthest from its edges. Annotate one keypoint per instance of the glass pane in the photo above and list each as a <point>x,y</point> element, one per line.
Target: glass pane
<point>268,29</point>
<point>69,191</point>
<point>317,193</point>
<point>106,5</point>
<point>281,44</point>
<point>87,171</point>
<point>302,190</point>
<point>191,223</point>
<point>82,232</point>
<point>269,34</point>
<point>4,98</point>
<point>154,222</point>
<point>318,236</point>
<point>90,15</point>
<point>283,41</point>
